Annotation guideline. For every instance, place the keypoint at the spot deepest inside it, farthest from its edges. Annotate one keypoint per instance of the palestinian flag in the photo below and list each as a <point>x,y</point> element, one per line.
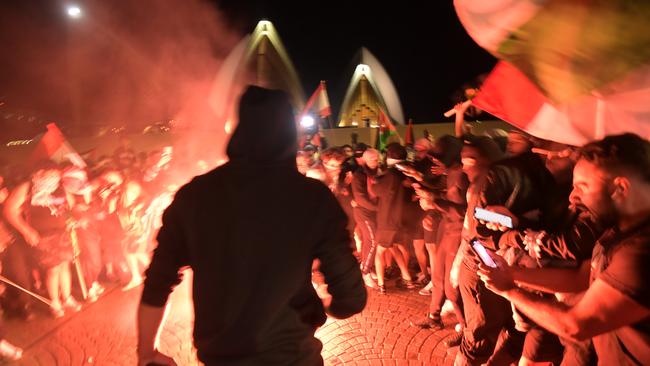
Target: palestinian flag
<point>572,70</point>
<point>387,132</point>
<point>53,146</point>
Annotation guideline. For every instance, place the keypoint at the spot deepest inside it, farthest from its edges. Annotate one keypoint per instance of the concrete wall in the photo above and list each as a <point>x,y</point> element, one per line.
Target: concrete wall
<point>342,136</point>
<point>336,137</point>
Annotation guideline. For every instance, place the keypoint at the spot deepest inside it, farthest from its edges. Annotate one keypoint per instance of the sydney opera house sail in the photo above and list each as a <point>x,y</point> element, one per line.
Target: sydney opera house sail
<point>369,93</point>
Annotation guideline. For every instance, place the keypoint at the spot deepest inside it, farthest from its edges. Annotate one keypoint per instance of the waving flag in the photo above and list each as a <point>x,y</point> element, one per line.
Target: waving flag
<point>574,70</point>
<point>319,102</point>
<point>55,147</point>
<point>387,132</point>
<point>508,94</point>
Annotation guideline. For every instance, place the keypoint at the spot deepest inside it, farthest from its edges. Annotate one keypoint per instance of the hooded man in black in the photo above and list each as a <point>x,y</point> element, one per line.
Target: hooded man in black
<point>250,230</point>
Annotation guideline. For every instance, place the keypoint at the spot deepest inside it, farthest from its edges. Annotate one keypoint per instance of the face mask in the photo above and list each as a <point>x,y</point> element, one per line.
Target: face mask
<point>468,162</point>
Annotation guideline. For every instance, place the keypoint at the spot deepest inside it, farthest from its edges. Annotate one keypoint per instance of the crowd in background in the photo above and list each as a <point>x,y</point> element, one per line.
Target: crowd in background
<point>68,231</point>
<point>412,212</point>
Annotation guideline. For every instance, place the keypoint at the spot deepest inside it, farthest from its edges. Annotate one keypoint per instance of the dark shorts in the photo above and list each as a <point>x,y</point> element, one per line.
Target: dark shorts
<point>431,237</point>
<point>418,231</point>
<point>53,249</point>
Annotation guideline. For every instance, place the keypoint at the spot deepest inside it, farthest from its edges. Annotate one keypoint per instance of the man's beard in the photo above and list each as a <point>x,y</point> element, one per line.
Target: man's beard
<point>606,216</point>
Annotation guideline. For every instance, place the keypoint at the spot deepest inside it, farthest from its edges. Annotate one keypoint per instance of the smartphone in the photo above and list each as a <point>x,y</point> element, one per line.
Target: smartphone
<point>482,253</point>
<point>489,216</point>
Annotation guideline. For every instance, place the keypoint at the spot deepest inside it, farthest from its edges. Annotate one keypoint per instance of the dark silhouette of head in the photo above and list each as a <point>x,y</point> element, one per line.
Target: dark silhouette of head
<point>266,132</point>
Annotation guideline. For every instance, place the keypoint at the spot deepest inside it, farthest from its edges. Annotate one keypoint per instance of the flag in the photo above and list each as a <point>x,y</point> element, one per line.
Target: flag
<point>55,147</point>
<point>319,102</point>
<point>387,132</point>
<point>571,71</point>
<point>408,140</point>
<point>567,48</point>
<point>508,94</point>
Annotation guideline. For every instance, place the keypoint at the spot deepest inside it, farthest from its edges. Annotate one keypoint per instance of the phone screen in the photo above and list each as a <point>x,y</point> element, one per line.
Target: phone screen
<point>485,215</point>
<point>483,254</point>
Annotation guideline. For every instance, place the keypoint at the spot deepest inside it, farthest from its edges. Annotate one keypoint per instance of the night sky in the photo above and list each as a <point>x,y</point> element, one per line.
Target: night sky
<point>422,47</point>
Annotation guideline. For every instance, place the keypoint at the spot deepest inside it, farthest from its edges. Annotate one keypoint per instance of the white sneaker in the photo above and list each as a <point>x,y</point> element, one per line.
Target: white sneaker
<point>72,304</point>
<point>368,281</point>
<point>426,290</point>
<point>10,352</point>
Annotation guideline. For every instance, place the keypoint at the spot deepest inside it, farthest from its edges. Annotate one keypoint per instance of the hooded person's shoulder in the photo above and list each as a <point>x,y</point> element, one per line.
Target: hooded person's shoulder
<point>200,183</point>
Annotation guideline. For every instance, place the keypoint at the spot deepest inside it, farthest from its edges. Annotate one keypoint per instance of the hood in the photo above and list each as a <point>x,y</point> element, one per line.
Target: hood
<point>266,132</point>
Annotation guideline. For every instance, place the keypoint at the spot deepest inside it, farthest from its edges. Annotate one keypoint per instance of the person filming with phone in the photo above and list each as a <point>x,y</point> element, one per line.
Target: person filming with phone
<point>611,182</point>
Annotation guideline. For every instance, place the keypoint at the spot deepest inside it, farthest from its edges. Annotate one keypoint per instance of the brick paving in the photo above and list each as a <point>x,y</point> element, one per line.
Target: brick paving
<point>103,333</point>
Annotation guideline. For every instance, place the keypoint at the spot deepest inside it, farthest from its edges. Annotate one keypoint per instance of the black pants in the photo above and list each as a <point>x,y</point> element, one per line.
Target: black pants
<point>17,265</point>
<point>486,314</point>
<point>367,226</point>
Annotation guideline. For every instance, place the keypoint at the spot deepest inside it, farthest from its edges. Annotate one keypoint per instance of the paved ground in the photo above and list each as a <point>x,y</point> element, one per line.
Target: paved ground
<point>103,333</point>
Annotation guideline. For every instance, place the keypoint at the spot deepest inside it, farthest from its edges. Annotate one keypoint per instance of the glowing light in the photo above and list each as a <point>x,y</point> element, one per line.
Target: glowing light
<point>362,69</point>
<point>19,142</point>
<point>74,11</point>
<point>307,121</point>
<point>228,127</point>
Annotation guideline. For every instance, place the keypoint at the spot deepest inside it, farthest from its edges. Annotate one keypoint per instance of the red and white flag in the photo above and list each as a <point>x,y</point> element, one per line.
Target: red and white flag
<point>620,107</point>
<point>319,102</point>
<point>55,147</point>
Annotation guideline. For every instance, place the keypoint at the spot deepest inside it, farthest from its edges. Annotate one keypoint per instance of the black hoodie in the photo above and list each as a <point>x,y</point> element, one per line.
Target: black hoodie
<point>250,230</point>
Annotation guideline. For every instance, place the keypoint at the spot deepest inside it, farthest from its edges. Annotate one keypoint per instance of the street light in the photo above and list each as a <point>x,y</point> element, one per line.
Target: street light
<point>307,121</point>
<point>73,11</point>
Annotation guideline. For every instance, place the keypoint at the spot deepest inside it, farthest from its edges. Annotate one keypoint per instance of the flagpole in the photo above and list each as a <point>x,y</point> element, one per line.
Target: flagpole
<point>77,264</point>
<point>38,297</point>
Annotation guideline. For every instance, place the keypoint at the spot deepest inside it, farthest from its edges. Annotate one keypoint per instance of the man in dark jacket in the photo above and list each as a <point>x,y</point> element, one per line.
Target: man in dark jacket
<point>242,229</point>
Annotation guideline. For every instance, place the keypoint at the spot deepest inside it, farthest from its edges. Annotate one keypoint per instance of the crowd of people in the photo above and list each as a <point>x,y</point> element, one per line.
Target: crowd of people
<point>578,216</point>
<point>562,281</point>
<point>67,232</point>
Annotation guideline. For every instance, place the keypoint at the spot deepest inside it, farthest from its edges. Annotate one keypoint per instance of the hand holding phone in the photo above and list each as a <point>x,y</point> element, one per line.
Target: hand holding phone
<point>494,270</point>
<point>482,253</point>
<point>493,217</point>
